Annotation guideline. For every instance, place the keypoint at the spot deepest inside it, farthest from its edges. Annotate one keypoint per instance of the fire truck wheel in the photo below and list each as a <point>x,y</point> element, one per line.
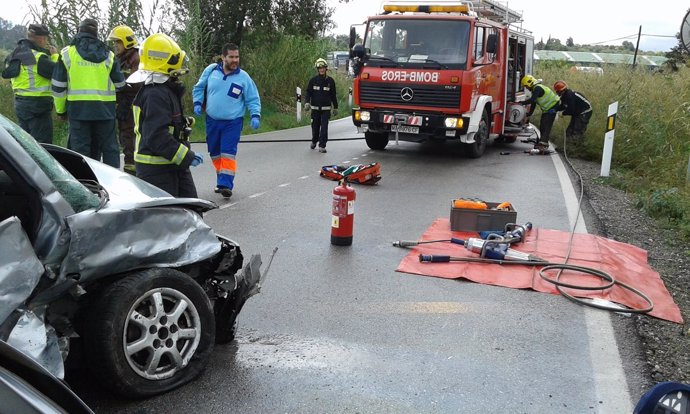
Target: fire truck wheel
<point>481,137</point>
<point>376,141</point>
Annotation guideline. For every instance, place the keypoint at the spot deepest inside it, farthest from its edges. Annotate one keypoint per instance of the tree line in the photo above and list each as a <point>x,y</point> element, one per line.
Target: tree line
<point>200,26</point>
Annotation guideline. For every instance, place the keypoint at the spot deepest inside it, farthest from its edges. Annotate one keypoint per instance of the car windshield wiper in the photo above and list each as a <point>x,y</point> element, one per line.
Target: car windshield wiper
<point>97,188</point>
<point>441,65</point>
<point>374,57</point>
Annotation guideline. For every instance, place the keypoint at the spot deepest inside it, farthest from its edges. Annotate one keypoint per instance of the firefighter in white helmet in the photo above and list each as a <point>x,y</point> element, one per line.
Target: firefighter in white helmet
<point>548,102</point>
<point>322,100</point>
<point>162,153</point>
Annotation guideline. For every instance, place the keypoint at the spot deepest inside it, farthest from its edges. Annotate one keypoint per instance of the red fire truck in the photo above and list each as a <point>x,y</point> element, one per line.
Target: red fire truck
<point>446,71</point>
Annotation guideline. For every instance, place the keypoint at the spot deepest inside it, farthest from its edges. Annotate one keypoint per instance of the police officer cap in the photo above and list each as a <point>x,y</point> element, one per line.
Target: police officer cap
<point>38,29</point>
<point>89,26</point>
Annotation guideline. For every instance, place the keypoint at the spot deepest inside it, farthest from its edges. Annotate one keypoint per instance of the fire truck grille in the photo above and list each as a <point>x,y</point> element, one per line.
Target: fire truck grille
<point>436,96</point>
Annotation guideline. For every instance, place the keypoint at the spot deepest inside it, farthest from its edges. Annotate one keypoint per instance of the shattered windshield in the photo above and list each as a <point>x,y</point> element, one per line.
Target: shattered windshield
<point>78,196</point>
<point>409,43</point>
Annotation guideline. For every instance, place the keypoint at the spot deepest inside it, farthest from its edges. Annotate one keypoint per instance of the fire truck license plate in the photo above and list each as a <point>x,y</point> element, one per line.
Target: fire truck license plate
<point>405,129</point>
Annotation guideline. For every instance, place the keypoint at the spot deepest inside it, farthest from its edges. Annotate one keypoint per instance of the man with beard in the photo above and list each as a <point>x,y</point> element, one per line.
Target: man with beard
<point>228,92</point>
<point>162,152</point>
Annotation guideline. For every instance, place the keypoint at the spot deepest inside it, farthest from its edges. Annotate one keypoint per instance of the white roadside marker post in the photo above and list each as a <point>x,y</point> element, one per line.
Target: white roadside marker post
<point>608,140</point>
<point>298,97</point>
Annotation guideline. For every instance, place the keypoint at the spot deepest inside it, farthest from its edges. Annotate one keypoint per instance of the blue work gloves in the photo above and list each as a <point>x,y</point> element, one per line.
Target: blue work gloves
<point>197,109</point>
<point>198,159</point>
<point>255,123</point>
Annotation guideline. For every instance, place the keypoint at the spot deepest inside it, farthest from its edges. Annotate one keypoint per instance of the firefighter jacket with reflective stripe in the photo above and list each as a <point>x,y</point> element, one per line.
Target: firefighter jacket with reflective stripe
<point>158,125</point>
<point>321,94</point>
<point>574,103</point>
<point>85,79</point>
<point>227,96</point>
<point>30,68</point>
<point>544,97</point>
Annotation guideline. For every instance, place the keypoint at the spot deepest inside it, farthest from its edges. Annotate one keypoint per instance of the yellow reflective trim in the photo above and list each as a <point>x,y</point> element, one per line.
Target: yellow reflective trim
<point>611,123</point>
<point>426,9</point>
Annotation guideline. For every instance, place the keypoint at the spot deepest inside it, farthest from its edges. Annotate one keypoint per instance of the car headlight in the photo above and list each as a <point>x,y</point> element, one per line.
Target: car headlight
<point>451,122</point>
<point>365,116</point>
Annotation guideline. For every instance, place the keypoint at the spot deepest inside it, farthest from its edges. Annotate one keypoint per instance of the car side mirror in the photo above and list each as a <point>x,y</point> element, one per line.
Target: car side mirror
<point>357,51</point>
<point>353,37</point>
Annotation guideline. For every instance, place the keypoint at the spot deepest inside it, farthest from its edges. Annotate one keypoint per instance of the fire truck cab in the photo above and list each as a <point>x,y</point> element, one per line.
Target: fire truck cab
<point>445,71</point>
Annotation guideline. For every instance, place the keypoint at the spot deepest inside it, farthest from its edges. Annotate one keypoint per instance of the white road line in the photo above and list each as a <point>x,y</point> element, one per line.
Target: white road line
<point>284,185</point>
<point>224,206</point>
<point>346,162</point>
<point>609,378</point>
<point>256,195</point>
<point>355,158</point>
<point>304,177</point>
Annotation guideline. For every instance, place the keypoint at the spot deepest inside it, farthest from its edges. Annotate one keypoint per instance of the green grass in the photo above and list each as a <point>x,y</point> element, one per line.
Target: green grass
<point>652,134</point>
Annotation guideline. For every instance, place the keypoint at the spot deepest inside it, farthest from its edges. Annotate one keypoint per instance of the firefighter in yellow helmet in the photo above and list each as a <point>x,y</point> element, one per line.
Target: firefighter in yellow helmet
<point>30,67</point>
<point>548,102</point>
<point>321,99</point>
<point>84,83</point>
<point>162,152</point>
<point>126,48</point>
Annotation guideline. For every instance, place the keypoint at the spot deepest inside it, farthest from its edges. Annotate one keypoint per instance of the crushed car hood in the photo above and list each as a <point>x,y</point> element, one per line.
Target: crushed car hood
<point>127,191</point>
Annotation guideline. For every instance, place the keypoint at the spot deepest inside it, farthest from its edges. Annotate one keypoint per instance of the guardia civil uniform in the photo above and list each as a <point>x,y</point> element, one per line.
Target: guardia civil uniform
<point>84,83</point>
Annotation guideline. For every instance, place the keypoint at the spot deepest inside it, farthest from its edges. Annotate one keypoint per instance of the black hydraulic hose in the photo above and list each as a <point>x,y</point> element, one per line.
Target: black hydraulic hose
<point>253,141</point>
<point>611,282</point>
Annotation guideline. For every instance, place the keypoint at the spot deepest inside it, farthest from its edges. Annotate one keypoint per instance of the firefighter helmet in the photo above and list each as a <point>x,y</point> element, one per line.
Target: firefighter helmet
<point>560,86</point>
<point>529,81</point>
<point>321,63</point>
<point>160,53</point>
<point>125,34</point>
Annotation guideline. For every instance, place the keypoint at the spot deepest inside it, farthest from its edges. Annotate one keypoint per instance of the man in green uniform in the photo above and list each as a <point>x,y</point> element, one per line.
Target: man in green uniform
<point>84,83</point>
<point>30,67</point>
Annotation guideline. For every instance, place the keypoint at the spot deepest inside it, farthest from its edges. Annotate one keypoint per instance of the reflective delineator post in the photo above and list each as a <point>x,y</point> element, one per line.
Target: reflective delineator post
<point>349,97</point>
<point>608,140</point>
<point>298,97</point>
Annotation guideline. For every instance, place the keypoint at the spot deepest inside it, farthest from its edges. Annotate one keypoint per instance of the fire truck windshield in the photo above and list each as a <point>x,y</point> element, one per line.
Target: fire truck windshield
<point>418,43</point>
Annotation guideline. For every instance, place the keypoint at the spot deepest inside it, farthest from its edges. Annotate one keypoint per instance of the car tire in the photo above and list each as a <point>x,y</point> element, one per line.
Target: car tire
<point>376,141</point>
<point>481,138</point>
<point>149,333</point>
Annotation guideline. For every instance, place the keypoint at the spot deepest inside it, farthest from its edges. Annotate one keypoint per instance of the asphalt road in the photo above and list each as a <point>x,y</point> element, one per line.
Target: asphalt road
<point>336,329</point>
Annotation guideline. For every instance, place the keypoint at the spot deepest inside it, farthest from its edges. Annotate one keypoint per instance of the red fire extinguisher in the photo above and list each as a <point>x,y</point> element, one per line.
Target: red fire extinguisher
<point>343,214</point>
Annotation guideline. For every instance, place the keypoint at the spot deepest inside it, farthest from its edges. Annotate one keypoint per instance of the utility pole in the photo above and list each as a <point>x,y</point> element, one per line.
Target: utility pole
<point>637,46</point>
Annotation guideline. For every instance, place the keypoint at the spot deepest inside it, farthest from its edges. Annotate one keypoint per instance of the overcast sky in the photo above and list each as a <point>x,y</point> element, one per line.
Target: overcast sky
<point>586,21</point>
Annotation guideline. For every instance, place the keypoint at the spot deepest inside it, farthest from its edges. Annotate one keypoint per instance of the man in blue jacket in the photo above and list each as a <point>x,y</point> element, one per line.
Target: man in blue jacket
<point>228,92</point>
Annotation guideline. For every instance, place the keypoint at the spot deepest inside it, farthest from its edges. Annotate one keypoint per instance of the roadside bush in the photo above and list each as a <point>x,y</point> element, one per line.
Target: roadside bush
<point>652,132</point>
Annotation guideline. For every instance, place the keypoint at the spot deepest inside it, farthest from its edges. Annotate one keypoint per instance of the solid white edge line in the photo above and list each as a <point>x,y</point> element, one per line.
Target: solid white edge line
<point>609,378</point>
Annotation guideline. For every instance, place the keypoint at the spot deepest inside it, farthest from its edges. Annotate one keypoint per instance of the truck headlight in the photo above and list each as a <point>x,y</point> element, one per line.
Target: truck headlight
<point>365,116</point>
<point>451,122</point>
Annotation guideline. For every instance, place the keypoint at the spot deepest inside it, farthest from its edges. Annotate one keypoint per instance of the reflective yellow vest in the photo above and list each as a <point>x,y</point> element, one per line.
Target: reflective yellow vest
<point>29,82</point>
<point>548,100</point>
<point>88,81</point>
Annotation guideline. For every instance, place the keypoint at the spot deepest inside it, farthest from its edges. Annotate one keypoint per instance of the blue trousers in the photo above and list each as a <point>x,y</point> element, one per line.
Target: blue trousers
<point>222,138</point>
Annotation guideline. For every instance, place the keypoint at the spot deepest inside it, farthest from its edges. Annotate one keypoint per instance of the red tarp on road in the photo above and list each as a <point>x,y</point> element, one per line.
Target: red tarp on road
<point>626,263</point>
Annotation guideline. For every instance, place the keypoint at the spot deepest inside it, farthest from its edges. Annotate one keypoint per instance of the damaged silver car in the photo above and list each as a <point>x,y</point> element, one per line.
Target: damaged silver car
<point>92,254</point>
